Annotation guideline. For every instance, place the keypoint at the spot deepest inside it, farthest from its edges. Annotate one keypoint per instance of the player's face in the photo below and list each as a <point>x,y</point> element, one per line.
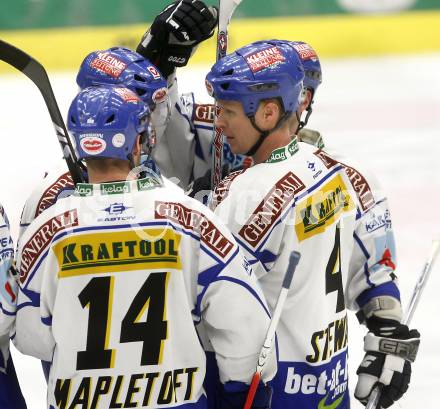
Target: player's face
<point>236,126</point>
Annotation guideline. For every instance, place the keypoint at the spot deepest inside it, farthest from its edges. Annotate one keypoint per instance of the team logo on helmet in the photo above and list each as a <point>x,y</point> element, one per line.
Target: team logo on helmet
<point>159,95</point>
<point>154,72</point>
<point>118,140</point>
<point>108,64</point>
<point>267,58</point>
<point>305,52</point>
<point>127,95</point>
<point>209,88</point>
<point>92,144</point>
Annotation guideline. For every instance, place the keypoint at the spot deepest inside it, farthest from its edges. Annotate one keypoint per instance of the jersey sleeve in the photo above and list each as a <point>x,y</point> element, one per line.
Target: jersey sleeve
<point>373,257</point>
<point>183,150</point>
<point>228,296</point>
<point>175,146</point>
<point>37,266</point>
<point>7,281</point>
<point>55,185</point>
<point>373,260</point>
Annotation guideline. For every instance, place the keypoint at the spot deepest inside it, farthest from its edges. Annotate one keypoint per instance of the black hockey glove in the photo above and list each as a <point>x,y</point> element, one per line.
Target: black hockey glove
<point>390,349</point>
<point>175,33</point>
<point>202,184</point>
<point>201,187</point>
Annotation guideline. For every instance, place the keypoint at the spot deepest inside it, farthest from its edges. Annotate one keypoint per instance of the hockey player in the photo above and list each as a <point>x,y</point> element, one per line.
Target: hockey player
<point>299,197</point>
<point>114,279</point>
<point>10,393</point>
<point>179,121</point>
<point>113,66</point>
<point>200,188</point>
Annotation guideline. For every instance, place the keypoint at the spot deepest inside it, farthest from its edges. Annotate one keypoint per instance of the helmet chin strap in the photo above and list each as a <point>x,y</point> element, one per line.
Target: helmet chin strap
<point>264,134</point>
<point>309,110</point>
<point>302,124</point>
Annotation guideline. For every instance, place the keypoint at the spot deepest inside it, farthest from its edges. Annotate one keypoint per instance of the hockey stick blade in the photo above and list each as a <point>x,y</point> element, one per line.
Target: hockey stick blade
<point>267,345</point>
<point>373,401</point>
<point>226,10</point>
<point>38,75</point>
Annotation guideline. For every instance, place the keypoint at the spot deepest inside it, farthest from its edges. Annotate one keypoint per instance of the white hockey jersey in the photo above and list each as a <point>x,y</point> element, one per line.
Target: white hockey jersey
<point>10,393</point>
<point>303,199</point>
<point>182,153</point>
<point>114,280</point>
<point>7,293</point>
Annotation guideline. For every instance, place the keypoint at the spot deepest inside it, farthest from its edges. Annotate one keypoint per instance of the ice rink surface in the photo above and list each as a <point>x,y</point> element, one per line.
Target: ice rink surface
<point>383,112</point>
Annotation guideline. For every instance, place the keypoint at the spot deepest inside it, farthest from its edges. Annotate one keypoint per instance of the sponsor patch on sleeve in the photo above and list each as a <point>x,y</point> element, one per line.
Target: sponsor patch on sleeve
<point>51,194</point>
<point>267,58</point>
<point>357,180</point>
<point>159,95</point>
<point>322,208</point>
<point>40,240</point>
<point>196,221</point>
<point>204,113</point>
<point>271,208</point>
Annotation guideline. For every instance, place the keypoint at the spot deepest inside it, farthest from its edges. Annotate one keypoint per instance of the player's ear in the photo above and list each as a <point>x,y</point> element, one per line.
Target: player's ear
<point>271,112</point>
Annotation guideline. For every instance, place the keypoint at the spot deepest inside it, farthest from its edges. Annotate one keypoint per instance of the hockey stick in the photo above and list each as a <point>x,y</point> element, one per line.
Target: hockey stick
<point>267,345</point>
<point>226,9</point>
<point>38,75</point>
<point>415,297</point>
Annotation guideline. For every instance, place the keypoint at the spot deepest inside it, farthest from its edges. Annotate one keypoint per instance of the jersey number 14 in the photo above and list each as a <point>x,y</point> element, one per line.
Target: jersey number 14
<point>97,295</point>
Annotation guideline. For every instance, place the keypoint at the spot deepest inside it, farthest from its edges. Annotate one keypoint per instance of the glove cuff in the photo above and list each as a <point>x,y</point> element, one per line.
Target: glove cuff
<point>384,306</point>
<point>402,348</point>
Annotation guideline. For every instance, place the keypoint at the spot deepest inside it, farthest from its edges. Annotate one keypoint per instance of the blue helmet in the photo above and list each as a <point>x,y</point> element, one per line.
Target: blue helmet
<point>105,121</point>
<point>312,71</point>
<point>311,64</point>
<point>121,66</point>
<point>258,71</point>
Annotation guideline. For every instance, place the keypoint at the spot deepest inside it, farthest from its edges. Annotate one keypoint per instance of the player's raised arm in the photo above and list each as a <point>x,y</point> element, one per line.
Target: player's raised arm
<point>175,34</point>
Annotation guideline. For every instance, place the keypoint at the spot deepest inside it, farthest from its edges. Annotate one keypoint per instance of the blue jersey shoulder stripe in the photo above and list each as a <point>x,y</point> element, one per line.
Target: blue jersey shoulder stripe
<point>389,288</point>
<point>209,276</point>
<point>6,312</point>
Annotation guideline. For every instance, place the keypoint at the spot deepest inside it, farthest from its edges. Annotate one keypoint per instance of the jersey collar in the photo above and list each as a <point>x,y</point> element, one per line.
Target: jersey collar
<point>283,153</point>
<point>113,188</point>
